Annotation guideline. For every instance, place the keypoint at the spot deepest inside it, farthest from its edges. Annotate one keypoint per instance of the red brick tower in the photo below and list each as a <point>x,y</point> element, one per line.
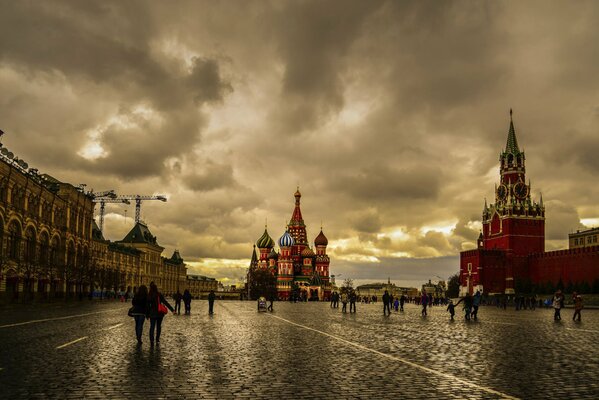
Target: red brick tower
<point>297,228</point>
<point>515,223</point>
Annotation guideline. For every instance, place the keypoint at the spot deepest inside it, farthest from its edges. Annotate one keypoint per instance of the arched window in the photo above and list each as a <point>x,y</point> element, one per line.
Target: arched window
<point>13,244</point>
<point>30,245</point>
<point>54,247</point>
<point>44,249</point>
<point>71,254</point>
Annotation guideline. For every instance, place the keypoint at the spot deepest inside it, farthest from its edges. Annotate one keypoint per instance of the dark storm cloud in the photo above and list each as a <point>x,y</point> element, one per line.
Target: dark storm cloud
<point>389,115</point>
<point>313,40</point>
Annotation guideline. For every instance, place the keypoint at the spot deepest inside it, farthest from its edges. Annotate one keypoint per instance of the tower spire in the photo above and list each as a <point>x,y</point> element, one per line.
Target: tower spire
<point>512,144</point>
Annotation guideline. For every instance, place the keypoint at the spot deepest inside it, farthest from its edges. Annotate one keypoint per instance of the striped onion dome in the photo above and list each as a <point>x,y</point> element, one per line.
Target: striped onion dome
<point>265,241</point>
<point>307,252</point>
<point>286,240</point>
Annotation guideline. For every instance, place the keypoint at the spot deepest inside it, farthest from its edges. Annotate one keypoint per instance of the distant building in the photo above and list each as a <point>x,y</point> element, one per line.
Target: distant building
<point>587,238</point>
<point>199,284</point>
<point>438,289</point>
<point>378,289</point>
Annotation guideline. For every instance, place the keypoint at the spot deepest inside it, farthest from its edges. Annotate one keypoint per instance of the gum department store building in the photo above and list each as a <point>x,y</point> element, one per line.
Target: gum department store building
<point>51,247</point>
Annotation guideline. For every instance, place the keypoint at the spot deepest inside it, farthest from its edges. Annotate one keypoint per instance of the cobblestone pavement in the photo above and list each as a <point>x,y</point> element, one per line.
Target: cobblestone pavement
<point>304,350</point>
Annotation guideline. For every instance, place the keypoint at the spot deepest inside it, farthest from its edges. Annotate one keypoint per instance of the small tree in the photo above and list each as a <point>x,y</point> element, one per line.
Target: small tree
<point>262,283</point>
<point>453,286</point>
<point>348,286</point>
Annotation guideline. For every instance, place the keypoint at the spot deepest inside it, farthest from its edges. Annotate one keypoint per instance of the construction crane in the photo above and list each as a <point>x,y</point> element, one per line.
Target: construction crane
<point>110,194</point>
<point>103,201</point>
<point>138,199</point>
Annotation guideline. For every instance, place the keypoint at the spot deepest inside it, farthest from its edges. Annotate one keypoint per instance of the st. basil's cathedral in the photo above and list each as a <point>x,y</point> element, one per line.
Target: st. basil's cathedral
<point>511,246</point>
<point>296,264</point>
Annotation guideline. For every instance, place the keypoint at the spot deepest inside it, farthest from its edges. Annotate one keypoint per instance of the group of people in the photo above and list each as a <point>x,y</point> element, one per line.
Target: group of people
<point>345,297</point>
<point>558,304</point>
<point>186,297</point>
<point>152,305</point>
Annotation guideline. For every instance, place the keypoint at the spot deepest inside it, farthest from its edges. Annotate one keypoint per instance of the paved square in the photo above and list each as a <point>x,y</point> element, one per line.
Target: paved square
<point>303,350</point>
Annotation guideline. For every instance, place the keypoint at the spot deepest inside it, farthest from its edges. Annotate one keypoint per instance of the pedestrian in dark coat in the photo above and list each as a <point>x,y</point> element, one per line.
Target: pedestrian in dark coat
<point>386,303</point>
<point>155,298</point>
<point>178,297</point>
<point>352,301</point>
<point>402,300</point>
<point>140,304</point>
<point>187,301</point>
<point>451,309</point>
<point>211,297</point>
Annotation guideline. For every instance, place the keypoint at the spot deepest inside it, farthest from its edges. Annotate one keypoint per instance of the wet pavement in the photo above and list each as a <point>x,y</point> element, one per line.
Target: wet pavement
<point>303,350</point>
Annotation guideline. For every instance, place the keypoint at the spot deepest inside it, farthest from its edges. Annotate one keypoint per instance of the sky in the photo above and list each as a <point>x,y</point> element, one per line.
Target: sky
<point>389,116</point>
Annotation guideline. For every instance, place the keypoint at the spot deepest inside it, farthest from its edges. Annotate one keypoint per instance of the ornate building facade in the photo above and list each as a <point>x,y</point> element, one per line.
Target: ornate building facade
<point>50,246</point>
<point>511,246</point>
<point>299,269</point>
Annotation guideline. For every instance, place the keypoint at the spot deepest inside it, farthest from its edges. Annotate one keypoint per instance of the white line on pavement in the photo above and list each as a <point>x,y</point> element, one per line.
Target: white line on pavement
<point>114,326</point>
<point>412,364</point>
<point>70,343</point>
<point>584,330</point>
<point>54,319</point>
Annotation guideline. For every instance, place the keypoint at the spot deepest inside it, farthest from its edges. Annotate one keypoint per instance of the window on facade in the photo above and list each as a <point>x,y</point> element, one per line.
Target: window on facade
<point>589,239</point>
<point>14,240</point>
<point>595,239</point>
<point>575,242</point>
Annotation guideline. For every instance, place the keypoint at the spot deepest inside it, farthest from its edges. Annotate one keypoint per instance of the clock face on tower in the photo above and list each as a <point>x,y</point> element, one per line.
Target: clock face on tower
<point>501,192</point>
<point>521,190</point>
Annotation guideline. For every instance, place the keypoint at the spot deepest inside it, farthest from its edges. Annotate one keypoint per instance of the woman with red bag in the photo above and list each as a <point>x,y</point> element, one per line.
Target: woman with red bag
<point>157,309</point>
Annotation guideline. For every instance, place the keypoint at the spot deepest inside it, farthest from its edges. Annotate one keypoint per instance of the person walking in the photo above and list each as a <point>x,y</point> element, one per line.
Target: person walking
<point>211,297</point>
<point>451,309</point>
<point>578,306</point>
<point>468,300</point>
<point>352,301</point>
<point>424,302</point>
<point>558,303</point>
<point>138,311</point>
<point>155,311</point>
<point>386,303</point>
<point>271,300</point>
<point>187,301</point>
<point>344,301</point>
<point>475,304</point>
<point>178,297</point>
<point>396,304</point>
<point>402,300</point>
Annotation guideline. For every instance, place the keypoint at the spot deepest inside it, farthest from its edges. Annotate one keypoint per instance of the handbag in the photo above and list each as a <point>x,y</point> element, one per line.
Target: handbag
<point>130,312</point>
<point>162,310</point>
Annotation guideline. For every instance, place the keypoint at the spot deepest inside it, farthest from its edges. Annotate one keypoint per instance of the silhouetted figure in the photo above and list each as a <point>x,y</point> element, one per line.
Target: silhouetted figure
<point>578,306</point>
<point>156,312</point>
<point>178,297</point>
<point>424,303</point>
<point>344,301</point>
<point>558,303</point>
<point>396,304</point>
<point>271,300</point>
<point>352,301</point>
<point>187,301</point>
<point>140,304</point>
<point>402,300</point>
<point>475,304</point>
<point>467,305</point>
<point>211,297</point>
<point>451,309</point>
<point>386,303</point>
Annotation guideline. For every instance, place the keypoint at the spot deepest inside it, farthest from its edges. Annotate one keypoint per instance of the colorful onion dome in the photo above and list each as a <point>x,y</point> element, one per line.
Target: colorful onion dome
<point>273,254</point>
<point>307,252</point>
<point>265,241</point>
<point>321,239</point>
<point>286,240</point>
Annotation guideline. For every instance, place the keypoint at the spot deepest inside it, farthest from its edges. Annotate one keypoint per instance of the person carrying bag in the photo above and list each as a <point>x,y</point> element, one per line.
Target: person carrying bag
<point>157,308</point>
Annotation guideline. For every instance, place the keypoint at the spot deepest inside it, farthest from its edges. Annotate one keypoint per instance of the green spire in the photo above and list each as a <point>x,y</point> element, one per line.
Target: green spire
<point>512,144</point>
